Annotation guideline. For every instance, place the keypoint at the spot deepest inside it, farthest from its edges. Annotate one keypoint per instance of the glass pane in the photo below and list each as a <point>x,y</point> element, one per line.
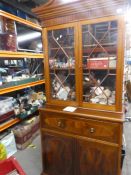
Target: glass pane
<point>62,63</point>
<point>99,62</point>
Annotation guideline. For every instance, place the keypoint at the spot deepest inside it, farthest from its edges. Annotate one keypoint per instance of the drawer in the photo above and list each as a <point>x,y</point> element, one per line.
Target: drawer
<point>95,129</point>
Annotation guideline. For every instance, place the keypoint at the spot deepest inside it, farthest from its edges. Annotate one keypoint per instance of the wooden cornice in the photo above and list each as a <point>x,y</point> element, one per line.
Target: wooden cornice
<point>58,9</point>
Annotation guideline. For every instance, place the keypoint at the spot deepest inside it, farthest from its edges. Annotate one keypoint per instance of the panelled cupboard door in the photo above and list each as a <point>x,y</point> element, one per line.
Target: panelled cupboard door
<point>57,154</point>
<point>97,159</point>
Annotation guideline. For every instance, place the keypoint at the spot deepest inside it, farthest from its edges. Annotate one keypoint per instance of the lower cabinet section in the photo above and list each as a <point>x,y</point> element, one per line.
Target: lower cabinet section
<point>57,155</point>
<point>64,155</point>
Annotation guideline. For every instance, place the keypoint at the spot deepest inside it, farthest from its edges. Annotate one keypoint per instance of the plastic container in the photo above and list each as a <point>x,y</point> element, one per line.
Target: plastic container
<point>9,165</point>
<point>6,105</point>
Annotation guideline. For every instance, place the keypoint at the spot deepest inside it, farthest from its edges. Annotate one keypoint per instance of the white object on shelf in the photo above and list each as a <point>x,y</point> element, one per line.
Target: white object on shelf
<point>70,109</point>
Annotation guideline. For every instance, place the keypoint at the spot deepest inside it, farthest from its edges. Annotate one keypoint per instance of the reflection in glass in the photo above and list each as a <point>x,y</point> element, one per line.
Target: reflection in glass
<point>99,62</point>
<point>62,63</point>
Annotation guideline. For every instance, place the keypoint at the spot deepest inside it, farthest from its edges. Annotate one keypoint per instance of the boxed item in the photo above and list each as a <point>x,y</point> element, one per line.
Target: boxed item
<point>35,125</point>
<point>6,105</point>
<point>7,143</point>
<point>23,136</point>
<point>25,133</point>
<point>101,63</point>
<point>8,42</point>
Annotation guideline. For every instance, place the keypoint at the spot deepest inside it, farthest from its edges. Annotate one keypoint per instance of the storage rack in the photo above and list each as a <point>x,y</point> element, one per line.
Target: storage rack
<point>17,55</point>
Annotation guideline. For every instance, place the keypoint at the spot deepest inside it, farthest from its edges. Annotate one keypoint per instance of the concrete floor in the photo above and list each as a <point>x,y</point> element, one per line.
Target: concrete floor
<point>30,158</point>
<point>127,161</point>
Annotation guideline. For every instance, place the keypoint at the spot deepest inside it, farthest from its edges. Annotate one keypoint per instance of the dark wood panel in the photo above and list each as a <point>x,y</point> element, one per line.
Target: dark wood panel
<point>57,154</point>
<point>97,159</point>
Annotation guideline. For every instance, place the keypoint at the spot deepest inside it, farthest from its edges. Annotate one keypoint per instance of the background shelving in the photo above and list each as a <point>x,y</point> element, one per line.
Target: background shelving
<point>13,27</point>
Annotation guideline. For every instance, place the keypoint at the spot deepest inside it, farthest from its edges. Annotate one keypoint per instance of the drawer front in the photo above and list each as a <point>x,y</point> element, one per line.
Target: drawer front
<point>95,129</point>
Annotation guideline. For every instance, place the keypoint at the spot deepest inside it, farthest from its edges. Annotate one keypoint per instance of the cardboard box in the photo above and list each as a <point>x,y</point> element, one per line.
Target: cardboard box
<point>25,133</point>
<point>23,136</point>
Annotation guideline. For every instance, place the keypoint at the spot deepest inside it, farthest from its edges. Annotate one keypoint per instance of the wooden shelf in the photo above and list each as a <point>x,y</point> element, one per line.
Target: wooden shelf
<point>66,47</point>
<point>9,123</point>
<point>68,68</point>
<point>89,49</point>
<point>18,19</point>
<point>99,69</point>
<point>19,87</point>
<point>84,32</point>
<point>10,54</point>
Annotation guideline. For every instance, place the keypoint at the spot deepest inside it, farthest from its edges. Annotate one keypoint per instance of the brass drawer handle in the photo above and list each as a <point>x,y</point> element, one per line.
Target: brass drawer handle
<point>61,124</point>
<point>92,130</point>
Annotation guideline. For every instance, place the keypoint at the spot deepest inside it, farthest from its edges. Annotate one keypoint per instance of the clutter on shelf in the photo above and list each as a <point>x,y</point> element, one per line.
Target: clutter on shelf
<point>15,72</point>
<point>64,63</point>
<point>22,106</point>
<point>96,92</point>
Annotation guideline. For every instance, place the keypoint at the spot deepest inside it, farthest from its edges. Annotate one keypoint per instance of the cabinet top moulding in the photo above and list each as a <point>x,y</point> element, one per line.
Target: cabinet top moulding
<point>10,54</point>
<point>57,12</point>
<point>18,19</point>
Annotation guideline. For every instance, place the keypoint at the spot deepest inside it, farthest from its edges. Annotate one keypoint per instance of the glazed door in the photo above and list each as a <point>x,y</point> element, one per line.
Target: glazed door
<point>61,63</point>
<point>57,155</point>
<point>97,159</point>
<point>102,57</point>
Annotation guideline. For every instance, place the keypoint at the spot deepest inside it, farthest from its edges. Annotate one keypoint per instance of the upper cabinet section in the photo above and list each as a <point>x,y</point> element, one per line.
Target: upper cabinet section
<point>84,63</point>
<point>84,44</point>
<point>19,35</point>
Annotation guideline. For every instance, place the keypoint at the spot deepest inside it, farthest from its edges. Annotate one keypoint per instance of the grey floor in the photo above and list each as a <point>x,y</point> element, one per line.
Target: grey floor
<point>30,158</point>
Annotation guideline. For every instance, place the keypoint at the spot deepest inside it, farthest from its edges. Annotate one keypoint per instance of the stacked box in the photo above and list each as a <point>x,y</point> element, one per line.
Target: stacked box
<point>35,127</point>
<point>23,136</point>
<point>26,132</point>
